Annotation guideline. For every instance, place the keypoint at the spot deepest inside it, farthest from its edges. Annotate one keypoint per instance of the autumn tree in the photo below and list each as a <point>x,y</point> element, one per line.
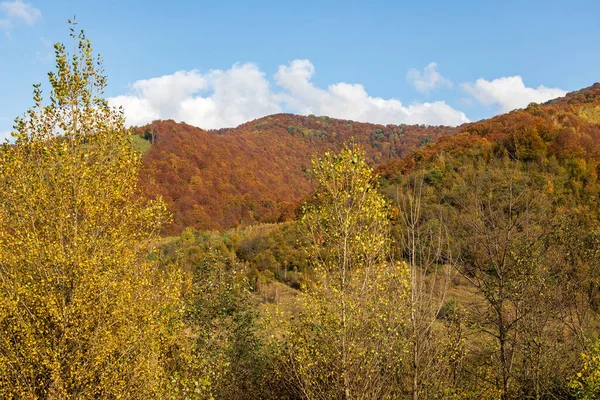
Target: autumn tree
<point>346,341</point>
<point>425,244</point>
<point>586,383</point>
<point>502,230</point>
<point>224,360</point>
<point>84,312</point>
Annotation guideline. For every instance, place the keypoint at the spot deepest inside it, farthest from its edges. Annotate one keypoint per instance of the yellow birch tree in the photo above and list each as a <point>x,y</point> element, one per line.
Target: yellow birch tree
<point>84,312</point>
<point>347,342</point>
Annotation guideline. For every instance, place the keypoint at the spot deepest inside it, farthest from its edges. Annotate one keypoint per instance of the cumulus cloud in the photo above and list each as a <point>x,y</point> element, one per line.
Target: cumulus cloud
<point>219,99</point>
<point>509,93</point>
<point>215,99</point>
<point>428,80</point>
<point>18,11</point>
<point>351,101</point>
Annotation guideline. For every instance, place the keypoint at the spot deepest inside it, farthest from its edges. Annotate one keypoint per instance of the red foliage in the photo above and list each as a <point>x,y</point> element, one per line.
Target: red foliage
<point>256,172</point>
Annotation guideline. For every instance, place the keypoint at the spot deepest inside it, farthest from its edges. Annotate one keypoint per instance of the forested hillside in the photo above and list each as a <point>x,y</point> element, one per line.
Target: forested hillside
<point>497,296</point>
<point>256,172</point>
<point>565,130</point>
<point>515,200</point>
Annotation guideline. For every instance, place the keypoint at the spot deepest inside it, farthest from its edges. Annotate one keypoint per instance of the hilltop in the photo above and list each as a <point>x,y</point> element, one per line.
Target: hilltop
<point>257,172</point>
<point>565,131</point>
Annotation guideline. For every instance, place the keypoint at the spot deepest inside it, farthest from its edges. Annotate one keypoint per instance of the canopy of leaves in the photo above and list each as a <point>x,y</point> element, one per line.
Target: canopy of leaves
<point>84,313</point>
<point>256,172</point>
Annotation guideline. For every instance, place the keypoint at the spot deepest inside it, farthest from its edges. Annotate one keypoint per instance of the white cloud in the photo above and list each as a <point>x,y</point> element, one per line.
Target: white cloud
<point>213,100</point>
<point>227,98</point>
<point>509,93</point>
<point>19,11</point>
<point>428,80</point>
<point>351,101</point>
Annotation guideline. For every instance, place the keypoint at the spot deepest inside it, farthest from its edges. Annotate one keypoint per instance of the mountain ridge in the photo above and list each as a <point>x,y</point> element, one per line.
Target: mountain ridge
<point>564,128</point>
<point>257,172</point>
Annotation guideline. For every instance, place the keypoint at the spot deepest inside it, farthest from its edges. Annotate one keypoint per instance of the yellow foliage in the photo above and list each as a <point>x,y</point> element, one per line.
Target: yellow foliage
<point>347,339</point>
<point>83,312</point>
<point>586,384</point>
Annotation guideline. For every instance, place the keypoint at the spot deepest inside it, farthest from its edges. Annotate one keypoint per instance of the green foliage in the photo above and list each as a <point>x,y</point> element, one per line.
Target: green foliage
<point>525,237</point>
<point>434,176</point>
<point>140,144</point>
<point>224,356</point>
<point>280,250</point>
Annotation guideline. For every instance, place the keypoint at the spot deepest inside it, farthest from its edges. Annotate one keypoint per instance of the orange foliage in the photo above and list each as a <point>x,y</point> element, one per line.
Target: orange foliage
<point>256,172</point>
<point>567,129</point>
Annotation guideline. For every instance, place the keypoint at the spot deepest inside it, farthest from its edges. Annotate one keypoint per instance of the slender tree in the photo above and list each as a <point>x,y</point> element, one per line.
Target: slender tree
<point>346,342</point>
<point>425,243</point>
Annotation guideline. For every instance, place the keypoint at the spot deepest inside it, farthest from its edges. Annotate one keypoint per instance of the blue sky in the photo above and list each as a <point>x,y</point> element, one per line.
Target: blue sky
<point>215,64</point>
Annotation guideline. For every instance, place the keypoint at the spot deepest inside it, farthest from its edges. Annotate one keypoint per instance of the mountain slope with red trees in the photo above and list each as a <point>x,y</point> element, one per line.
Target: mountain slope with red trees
<point>256,172</point>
